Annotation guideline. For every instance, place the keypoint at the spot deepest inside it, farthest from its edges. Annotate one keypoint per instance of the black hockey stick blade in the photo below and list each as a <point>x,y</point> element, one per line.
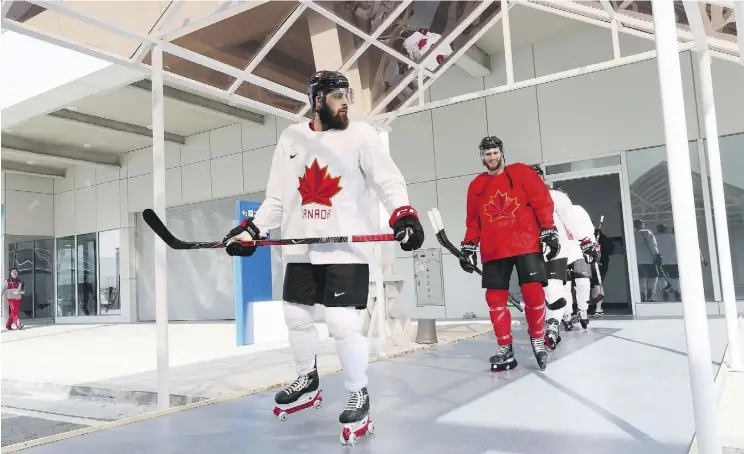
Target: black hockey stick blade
<point>157,226</point>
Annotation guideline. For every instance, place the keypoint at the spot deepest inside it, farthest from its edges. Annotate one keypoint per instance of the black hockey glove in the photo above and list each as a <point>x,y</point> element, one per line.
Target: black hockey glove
<point>247,230</point>
<point>407,228</point>
<point>469,257</point>
<point>549,242</point>
<point>590,249</point>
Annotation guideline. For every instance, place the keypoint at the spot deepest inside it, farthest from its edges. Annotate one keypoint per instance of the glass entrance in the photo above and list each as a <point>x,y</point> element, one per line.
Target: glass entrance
<point>34,261</point>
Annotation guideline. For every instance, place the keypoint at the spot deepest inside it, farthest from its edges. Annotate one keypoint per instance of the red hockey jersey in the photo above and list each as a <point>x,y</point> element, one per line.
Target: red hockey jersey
<point>505,212</point>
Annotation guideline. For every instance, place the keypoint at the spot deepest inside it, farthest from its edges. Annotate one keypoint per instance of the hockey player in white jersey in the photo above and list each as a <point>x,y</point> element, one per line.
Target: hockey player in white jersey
<point>317,187</point>
<point>418,42</point>
<point>581,235</point>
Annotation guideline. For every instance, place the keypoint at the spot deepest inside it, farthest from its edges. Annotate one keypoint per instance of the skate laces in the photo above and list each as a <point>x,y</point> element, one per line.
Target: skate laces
<point>503,350</point>
<point>297,385</point>
<point>356,398</point>
<point>538,344</point>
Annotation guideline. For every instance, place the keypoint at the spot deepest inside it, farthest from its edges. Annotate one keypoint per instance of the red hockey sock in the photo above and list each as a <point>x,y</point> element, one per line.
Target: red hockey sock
<point>500,315</point>
<point>534,310</point>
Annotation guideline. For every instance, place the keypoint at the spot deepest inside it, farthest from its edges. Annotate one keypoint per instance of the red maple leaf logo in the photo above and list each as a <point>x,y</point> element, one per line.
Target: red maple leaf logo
<point>501,206</point>
<point>317,186</point>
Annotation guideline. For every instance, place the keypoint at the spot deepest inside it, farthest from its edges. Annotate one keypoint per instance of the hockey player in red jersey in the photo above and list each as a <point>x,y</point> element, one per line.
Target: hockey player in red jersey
<point>317,187</point>
<point>510,215</point>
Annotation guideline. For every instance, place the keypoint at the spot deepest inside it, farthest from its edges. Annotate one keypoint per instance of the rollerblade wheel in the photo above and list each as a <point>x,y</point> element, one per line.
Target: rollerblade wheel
<point>317,404</point>
<point>283,416</point>
<point>371,428</point>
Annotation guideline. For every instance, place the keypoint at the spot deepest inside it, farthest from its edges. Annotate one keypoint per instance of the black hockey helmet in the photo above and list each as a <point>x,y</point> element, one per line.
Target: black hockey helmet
<point>323,82</point>
<point>489,143</point>
<point>538,170</point>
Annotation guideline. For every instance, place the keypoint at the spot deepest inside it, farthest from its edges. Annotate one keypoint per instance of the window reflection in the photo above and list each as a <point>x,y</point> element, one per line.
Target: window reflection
<point>86,275</point>
<point>108,289</point>
<point>43,279</point>
<point>66,277</point>
<point>732,163</point>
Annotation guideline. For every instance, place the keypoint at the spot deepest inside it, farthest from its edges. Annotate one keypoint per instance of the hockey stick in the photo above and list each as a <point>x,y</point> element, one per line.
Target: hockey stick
<point>436,222</point>
<point>162,231</point>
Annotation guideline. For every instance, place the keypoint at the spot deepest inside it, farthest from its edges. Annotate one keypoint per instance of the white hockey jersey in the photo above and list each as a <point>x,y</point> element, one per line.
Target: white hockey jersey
<point>318,187</point>
<point>576,223</point>
<point>419,43</point>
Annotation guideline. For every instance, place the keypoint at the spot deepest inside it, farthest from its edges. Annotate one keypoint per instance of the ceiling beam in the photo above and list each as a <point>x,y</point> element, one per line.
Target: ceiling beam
<point>201,101</point>
<point>33,169</point>
<point>31,150</point>
<point>113,125</point>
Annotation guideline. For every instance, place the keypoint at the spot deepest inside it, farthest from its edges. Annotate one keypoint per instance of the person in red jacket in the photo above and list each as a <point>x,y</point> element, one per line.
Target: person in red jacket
<point>510,215</point>
<point>14,288</point>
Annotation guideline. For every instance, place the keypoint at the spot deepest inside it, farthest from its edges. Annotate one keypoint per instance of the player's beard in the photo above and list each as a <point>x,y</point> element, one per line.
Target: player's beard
<point>494,167</point>
<point>337,121</point>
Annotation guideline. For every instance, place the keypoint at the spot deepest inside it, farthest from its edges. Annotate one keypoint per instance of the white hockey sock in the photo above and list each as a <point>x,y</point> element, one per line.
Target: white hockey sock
<point>583,290</point>
<point>553,292</point>
<point>303,337</point>
<point>345,326</point>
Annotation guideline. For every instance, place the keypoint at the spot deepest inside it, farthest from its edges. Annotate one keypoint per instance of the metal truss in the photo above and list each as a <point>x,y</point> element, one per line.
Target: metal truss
<point>617,16</point>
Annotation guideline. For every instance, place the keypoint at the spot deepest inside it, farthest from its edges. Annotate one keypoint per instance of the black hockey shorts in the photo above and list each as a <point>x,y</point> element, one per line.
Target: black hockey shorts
<point>530,268</point>
<point>580,269</point>
<point>342,285</point>
<point>557,269</point>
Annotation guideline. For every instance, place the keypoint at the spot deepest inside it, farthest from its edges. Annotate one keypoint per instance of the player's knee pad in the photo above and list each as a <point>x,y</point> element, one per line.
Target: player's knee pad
<point>298,317</point>
<point>343,322</point>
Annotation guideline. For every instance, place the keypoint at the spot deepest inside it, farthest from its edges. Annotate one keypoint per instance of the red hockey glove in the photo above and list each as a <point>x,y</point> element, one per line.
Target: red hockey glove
<point>590,249</point>
<point>247,230</point>
<point>407,228</point>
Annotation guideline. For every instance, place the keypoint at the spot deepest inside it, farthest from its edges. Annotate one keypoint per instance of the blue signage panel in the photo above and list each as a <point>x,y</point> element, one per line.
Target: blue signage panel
<point>252,281</point>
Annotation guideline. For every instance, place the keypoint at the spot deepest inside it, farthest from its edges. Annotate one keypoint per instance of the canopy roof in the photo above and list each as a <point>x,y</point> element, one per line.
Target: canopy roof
<point>259,54</point>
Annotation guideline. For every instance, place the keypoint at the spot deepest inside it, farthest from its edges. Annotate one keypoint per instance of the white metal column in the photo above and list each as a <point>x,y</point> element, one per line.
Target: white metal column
<point>685,227</point>
<point>158,188</point>
<point>716,182</point>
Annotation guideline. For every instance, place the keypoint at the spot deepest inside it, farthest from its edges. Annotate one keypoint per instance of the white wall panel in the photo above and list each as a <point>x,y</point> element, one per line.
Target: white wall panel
<point>572,51</point>
<point>458,129</point>
<point>462,291</point>
<point>423,197</point>
<point>198,182</point>
<point>85,210</point>
<point>29,183</point>
<point>227,175</point>
<point>631,45</point>
<point>85,176</point>
<point>412,147</point>
<point>67,183</point>
<point>124,163</point>
<point>196,149</point>
<point>173,187</point>
<point>124,202</point>
<point>728,93</point>
<point>172,155</point>
<point>608,111</point>
<point>258,136</point>
<point>139,193</point>
<point>513,117</point>
<point>29,213</point>
<point>256,166</point>
<point>104,175</point>
<point>107,201</point>
<point>454,82</point>
<point>524,67</point>
<point>225,141</point>
<point>139,162</point>
<point>452,194</point>
<point>64,214</point>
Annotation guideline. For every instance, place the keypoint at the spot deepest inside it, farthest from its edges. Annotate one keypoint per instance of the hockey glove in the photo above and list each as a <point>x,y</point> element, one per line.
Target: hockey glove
<point>658,259</point>
<point>549,242</point>
<point>407,228</point>
<point>246,231</point>
<point>469,257</point>
<point>590,249</point>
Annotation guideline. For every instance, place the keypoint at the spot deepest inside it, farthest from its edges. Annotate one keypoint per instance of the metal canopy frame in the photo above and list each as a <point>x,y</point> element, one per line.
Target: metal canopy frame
<point>616,16</point>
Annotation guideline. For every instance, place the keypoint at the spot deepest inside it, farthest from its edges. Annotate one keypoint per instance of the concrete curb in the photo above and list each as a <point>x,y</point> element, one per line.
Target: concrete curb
<point>154,414</point>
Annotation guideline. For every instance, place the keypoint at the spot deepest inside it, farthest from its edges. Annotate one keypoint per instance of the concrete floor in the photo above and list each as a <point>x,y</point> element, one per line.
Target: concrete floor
<point>620,387</point>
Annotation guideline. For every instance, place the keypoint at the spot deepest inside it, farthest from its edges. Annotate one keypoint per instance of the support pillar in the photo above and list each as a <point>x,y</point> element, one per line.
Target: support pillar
<point>685,227</point>
<point>702,53</point>
<point>161,264</point>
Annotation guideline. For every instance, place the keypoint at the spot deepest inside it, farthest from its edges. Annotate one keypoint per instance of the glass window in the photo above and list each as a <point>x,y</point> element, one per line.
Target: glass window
<point>732,162</point>
<point>43,278</point>
<point>585,164</point>
<point>66,277</point>
<point>108,253</point>
<point>23,260</point>
<point>87,259</point>
<point>653,224</point>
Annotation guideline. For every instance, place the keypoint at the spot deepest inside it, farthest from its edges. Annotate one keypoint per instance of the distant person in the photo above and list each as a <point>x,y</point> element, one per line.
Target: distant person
<point>606,249</point>
<point>14,288</point>
<point>649,260</point>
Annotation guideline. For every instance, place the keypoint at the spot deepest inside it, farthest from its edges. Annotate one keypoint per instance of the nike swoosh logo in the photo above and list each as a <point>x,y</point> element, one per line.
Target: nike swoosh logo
<point>292,156</point>
<point>338,294</point>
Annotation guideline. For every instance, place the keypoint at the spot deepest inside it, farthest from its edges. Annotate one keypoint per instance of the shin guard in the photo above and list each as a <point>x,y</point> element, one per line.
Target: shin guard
<point>500,315</point>
<point>534,310</point>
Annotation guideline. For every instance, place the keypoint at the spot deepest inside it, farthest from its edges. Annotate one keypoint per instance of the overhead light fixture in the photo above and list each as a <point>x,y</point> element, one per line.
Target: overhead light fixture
<point>86,145</point>
<point>30,163</point>
<point>72,108</point>
<point>9,131</point>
